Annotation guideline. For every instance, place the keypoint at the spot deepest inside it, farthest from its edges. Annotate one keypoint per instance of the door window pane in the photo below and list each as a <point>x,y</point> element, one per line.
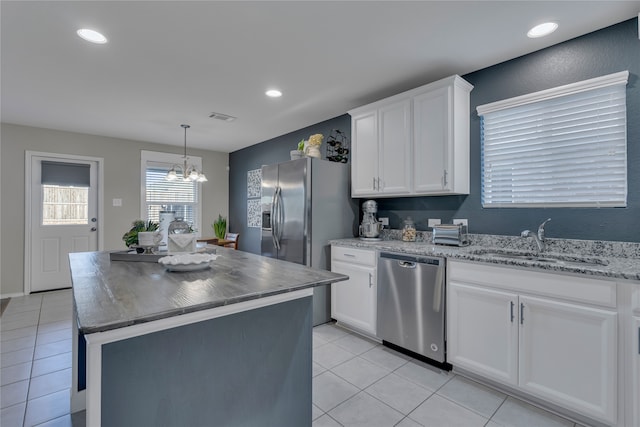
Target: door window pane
<point>63,205</point>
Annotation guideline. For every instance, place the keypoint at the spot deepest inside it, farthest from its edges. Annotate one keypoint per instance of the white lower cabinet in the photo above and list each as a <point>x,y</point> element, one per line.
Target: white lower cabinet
<point>481,336</point>
<point>635,370</point>
<point>556,350</point>
<point>568,355</point>
<point>353,302</point>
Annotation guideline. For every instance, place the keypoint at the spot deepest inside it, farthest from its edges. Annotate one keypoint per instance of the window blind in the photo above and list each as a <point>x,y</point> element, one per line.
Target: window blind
<point>557,148</point>
<point>65,174</point>
<point>162,195</point>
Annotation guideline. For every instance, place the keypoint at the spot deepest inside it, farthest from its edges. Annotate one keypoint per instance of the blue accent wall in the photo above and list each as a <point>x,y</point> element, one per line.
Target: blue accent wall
<point>269,152</point>
<point>609,50</point>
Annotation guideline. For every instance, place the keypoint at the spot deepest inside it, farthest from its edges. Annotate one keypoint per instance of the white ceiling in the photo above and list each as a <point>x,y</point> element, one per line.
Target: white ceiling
<point>173,62</point>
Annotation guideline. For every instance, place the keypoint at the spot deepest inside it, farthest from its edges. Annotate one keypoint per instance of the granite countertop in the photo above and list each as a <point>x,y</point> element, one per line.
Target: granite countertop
<point>609,259</point>
<point>114,294</point>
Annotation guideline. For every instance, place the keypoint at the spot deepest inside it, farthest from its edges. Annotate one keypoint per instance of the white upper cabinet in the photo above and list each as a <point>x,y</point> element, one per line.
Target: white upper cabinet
<point>421,142</point>
<point>395,148</point>
<point>382,150</point>
<point>441,139</point>
<point>364,167</point>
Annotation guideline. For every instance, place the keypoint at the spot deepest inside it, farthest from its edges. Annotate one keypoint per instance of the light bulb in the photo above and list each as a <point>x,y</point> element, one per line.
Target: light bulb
<point>542,30</point>
<point>171,175</point>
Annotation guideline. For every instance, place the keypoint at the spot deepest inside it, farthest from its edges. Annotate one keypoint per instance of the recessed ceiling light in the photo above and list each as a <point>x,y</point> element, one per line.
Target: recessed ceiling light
<point>273,93</point>
<point>542,30</point>
<point>92,36</point>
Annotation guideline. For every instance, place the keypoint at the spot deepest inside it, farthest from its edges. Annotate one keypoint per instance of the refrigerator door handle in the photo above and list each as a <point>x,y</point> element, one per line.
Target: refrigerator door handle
<point>274,218</point>
<point>279,215</point>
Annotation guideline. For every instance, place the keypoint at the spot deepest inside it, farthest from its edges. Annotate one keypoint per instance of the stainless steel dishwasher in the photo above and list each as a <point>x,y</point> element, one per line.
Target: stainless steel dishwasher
<point>411,304</point>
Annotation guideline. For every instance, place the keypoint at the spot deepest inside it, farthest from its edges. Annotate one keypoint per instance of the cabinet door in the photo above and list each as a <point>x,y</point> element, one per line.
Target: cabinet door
<point>432,124</point>
<point>482,331</point>
<point>364,162</point>
<point>395,148</point>
<point>635,370</point>
<point>568,355</point>
<point>353,302</point>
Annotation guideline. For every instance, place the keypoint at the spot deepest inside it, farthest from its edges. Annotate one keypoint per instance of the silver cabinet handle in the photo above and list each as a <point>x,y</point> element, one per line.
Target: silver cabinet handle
<point>512,304</point>
<point>521,313</point>
<point>638,340</point>
<point>374,183</point>
<point>350,255</point>
<point>370,280</point>
<point>445,177</point>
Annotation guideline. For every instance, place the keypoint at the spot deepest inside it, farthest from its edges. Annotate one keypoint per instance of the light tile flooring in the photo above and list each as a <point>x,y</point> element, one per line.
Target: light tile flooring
<point>356,382</point>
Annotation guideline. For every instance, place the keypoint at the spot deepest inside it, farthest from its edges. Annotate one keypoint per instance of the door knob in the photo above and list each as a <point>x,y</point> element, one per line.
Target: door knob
<point>94,219</point>
<point>93,229</point>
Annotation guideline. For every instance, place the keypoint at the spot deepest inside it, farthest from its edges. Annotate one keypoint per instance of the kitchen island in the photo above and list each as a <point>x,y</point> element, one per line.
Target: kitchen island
<point>228,345</point>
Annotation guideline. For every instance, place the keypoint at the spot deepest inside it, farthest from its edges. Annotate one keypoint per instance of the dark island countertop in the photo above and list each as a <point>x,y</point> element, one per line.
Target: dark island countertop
<point>115,294</point>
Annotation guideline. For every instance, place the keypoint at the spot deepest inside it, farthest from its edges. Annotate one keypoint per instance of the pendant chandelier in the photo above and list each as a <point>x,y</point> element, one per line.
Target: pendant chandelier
<point>184,172</point>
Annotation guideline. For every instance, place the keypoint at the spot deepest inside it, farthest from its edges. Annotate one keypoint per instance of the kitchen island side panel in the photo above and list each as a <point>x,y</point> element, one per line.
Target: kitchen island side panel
<point>247,369</point>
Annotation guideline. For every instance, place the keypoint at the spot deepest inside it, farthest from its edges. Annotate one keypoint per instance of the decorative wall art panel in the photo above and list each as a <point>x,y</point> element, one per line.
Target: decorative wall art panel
<point>254,213</point>
<point>254,183</point>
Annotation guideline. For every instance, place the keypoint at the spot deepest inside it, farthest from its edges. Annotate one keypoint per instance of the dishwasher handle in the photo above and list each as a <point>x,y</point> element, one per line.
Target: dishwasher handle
<point>412,259</point>
<point>407,264</point>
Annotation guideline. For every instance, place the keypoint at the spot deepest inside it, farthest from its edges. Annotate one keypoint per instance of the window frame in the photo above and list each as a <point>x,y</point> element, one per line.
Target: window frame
<point>615,79</point>
<point>169,159</point>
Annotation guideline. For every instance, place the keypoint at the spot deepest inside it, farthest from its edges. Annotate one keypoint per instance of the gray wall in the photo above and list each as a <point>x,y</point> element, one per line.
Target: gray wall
<point>121,180</point>
<point>269,152</point>
<point>606,51</point>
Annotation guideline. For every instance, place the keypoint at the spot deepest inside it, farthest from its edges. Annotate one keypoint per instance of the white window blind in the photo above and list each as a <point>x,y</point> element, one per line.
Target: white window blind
<point>158,194</point>
<point>563,147</point>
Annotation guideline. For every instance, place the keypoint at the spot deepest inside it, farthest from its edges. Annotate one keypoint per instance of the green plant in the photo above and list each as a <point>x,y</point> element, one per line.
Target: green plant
<point>301,145</point>
<point>220,227</point>
<point>131,237</point>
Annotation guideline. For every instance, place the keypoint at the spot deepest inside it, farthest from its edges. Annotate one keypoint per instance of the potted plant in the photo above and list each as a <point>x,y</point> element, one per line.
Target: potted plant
<point>220,227</point>
<point>299,152</point>
<point>131,237</point>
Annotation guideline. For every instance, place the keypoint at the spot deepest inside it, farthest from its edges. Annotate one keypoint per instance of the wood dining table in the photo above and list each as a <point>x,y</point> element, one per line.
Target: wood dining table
<point>214,241</point>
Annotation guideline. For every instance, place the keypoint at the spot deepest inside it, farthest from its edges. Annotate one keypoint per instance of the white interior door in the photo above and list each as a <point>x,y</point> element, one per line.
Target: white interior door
<point>63,218</point>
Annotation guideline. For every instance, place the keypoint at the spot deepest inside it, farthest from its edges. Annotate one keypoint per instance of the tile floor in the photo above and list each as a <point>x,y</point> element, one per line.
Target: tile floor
<point>356,382</point>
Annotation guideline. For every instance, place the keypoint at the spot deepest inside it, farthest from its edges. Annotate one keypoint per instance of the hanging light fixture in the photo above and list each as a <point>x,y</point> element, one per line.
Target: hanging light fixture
<point>187,173</point>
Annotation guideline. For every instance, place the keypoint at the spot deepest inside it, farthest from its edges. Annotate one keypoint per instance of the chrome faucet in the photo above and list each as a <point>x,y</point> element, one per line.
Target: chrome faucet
<point>539,238</point>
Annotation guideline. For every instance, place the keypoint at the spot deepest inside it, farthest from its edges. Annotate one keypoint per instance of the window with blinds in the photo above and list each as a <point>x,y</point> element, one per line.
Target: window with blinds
<point>563,147</point>
<point>181,197</point>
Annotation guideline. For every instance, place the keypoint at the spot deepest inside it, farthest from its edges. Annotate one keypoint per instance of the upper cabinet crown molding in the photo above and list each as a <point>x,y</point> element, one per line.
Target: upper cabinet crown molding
<point>415,143</point>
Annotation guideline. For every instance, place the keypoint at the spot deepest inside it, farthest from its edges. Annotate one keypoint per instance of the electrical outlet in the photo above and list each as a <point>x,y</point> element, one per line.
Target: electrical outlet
<point>462,221</point>
<point>117,202</point>
<point>384,221</point>
<point>434,221</point>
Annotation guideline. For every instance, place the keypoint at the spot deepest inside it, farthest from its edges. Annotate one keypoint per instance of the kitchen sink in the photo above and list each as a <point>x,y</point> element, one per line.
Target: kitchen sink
<point>549,258</point>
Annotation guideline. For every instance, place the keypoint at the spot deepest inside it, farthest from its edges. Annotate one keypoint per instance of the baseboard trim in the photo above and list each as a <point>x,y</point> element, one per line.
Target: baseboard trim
<point>12,295</point>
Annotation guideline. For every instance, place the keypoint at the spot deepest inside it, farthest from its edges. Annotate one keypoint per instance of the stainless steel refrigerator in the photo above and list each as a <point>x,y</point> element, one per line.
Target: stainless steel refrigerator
<point>305,203</point>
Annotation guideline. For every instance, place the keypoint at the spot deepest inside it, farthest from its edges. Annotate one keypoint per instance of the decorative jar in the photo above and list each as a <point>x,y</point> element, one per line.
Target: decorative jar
<point>178,226</point>
<point>409,231</point>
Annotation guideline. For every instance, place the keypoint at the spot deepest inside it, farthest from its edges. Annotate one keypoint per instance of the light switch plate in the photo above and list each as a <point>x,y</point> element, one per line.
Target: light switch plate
<point>384,221</point>
<point>462,221</point>
<point>117,202</point>
<point>434,221</point>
